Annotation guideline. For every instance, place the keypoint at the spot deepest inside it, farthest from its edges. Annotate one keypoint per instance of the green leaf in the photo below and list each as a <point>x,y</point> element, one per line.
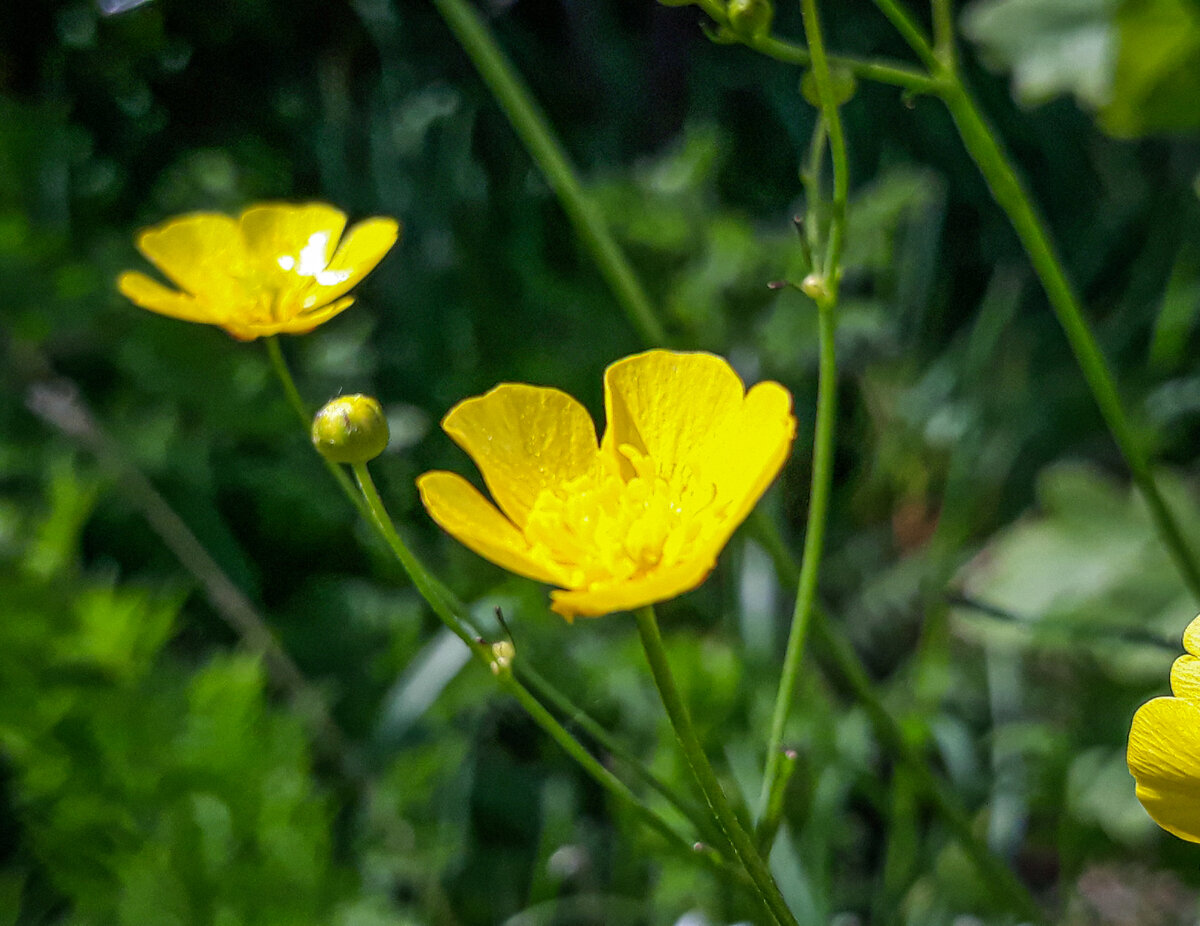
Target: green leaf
<point>1157,81</point>
<point>1052,47</point>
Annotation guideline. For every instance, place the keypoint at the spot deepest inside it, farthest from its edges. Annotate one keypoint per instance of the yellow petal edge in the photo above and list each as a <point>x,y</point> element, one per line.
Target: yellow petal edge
<point>1164,747</point>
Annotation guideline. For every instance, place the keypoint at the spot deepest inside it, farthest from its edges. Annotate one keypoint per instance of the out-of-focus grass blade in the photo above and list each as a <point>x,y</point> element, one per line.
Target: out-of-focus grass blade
<point>426,677</point>
<point>113,7</point>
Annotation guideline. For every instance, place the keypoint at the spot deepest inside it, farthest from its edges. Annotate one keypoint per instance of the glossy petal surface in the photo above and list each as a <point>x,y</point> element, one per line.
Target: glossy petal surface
<point>277,268</point>
<point>642,516</point>
<point>1164,747</point>
<point>1164,758</point>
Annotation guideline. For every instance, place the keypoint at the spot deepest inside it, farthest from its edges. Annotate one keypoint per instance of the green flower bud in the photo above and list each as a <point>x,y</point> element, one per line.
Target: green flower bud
<point>750,19</point>
<point>350,429</point>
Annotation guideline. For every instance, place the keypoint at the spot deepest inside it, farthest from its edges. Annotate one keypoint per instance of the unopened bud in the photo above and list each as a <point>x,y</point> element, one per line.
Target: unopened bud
<point>750,19</point>
<point>814,287</point>
<point>503,654</point>
<point>350,429</point>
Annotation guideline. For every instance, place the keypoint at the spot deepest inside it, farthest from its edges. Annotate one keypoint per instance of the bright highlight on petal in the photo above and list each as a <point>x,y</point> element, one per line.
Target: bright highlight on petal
<point>640,516</point>
<point>276,268</point>
<point>1164,747</point>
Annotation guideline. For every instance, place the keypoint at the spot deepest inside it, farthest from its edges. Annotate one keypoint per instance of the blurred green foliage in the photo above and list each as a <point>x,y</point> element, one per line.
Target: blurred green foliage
<point>985,555</point>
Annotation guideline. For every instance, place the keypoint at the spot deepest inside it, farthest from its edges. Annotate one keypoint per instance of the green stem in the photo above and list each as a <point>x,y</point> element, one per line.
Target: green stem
<point>822,468</point>
<point>912,34</point>
<point>943,34</point>
<point>1011,195</point>
<point>837,152</point>
<point>764,834</point>
<point>433,593</point>
<point>539,139</point>
<point>806,582</point>
<point>305,414</point>
<point>681,721</point>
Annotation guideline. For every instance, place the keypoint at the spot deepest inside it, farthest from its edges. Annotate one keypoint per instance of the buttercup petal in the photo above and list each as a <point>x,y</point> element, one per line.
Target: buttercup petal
<point>152,295</point>
<point>670,406</point>
<point>524,439</point>
<point>361,250</point>
<point>461,511</point>
<point>659,585</point>
<point>198,252</point>
<point>1185,678</point>
<point>753,452</point>
<point>1164,758</point>
<point>289,242</point>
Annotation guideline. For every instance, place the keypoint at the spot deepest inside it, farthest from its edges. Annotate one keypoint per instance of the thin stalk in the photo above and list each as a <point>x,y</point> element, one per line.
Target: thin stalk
<point>681,722</point>
<point>305,414</point>
<point>837,152</point>
<point>1011,195</point>
<point>822,469</point>
<point>431,591</point>
<point>534,130</point>
<point>810,178</point>
<point>944,46</point>
<point>903,22</point>
<point>806,581</point>
<point>768,826</point>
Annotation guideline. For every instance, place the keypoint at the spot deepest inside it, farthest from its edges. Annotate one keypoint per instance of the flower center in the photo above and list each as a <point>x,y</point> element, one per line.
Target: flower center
<point>603,527</point>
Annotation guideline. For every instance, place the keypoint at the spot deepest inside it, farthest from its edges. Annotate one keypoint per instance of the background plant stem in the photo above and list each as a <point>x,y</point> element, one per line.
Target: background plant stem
<point>822,460</point>
<point>1011,195</point>
<point>529,123</point>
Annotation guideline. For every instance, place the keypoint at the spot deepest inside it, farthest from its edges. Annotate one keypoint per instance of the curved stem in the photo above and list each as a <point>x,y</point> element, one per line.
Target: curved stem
<point>912,34</point>
<point>681,721</point>
<point>1011,195</point>
<point>539,139</point>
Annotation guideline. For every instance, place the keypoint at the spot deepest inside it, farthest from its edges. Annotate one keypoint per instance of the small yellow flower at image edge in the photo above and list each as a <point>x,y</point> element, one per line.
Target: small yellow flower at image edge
<point>1164,747</point>
<point>635,518</point>
<point>277,268</point>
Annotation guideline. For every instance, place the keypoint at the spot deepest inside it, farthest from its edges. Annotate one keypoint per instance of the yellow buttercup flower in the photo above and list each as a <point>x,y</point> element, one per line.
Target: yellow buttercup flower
<point>1164,747</point>
<point>638,517</point>
<point>275,269</point>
